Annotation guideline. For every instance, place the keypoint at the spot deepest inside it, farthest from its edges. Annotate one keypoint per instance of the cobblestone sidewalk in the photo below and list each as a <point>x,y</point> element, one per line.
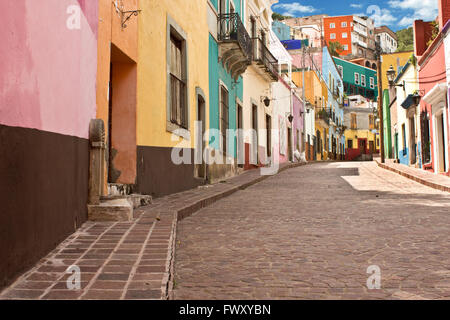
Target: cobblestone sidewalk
<point>435,181</point>
<point>123,260</point>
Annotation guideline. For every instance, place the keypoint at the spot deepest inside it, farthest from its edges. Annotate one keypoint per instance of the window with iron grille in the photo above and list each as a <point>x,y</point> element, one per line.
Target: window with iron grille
<point>178,97</point>
<point>224,112</point>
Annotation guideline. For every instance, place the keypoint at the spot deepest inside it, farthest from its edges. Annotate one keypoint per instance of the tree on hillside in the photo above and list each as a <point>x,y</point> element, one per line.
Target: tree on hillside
<point>335,48</point>
<point>405,40</point>
<point>279,17</point>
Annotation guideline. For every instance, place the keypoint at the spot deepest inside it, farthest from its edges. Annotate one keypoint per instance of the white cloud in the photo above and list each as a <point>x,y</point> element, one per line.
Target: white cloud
<point>355,5</point>
<point>406,21</point>
<point>423,9</point>
<point>291,9</point>
<point>380,16</point>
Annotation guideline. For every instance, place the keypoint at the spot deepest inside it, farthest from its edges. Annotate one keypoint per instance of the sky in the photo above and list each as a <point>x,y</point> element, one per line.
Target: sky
<point>396,14</point>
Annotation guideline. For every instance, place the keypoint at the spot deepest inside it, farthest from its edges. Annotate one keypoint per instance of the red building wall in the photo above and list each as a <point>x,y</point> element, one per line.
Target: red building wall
<point>431,72</point>
<point>339,30</point>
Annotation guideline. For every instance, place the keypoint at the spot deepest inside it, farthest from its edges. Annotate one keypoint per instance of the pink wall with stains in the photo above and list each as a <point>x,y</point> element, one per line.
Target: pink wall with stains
<point>48,71</point>
<point>297,123</point>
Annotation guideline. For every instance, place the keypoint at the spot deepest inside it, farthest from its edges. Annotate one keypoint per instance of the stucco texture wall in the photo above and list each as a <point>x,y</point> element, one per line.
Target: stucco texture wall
<point>190,16</point>
<point>42,64</point>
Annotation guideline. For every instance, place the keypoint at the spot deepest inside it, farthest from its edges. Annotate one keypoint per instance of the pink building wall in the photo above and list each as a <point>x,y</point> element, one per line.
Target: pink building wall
<point>47,71</point>
<point>431,72</point>
<point>47,99</point>
<point>297,123</point>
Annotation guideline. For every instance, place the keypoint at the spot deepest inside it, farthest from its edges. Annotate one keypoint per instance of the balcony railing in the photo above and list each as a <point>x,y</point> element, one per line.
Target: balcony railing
<point>323,115</point>
<point>263,56</point>
<point>231,29</point>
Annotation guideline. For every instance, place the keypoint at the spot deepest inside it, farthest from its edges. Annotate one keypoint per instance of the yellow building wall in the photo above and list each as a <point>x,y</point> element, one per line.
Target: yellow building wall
<point>394,59</point>
<point>324,138</point>
<point>313,87</point>
<point>152,72</point>
<point>360,134</point>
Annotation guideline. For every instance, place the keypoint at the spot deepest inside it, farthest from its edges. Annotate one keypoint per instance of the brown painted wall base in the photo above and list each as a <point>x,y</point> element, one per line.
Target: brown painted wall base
<point>43,194</point>
<point>158,176</point>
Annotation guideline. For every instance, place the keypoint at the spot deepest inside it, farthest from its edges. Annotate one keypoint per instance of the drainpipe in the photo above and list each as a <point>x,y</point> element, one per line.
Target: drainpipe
<point>304,102</point>
<point>292,123</point>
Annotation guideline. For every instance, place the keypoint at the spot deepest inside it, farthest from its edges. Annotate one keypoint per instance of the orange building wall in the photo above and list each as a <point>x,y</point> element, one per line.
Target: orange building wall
<point>123,42</point>
<point>338,30</point>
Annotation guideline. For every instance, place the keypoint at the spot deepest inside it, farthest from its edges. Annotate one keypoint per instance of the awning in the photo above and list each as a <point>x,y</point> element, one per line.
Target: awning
<point>408,102</point>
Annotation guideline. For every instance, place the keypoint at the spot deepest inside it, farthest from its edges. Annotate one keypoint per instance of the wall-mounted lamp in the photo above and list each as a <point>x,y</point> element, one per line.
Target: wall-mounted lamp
<point>391,78</point>
<point>266,101</point>
<point>291,118</point>
<point>303,112</point>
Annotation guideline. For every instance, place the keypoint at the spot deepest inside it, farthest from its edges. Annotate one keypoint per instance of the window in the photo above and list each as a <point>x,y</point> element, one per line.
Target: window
<point>344,24</point>
<point>333,36</point>
<point>178,92</point>
<point>372,83</point>
<point>344,35</point>
<point>224,116</point>
<point>353,123</point>
<point>350,143</point>
<point>332,25</point>
<point>371,122</point>
<point>356,78</point>
<point>363,80</point>
<point>345,47</point>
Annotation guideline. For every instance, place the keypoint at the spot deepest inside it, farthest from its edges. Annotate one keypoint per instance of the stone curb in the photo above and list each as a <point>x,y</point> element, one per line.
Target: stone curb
<point>190,209</point>
<point>414,178</point>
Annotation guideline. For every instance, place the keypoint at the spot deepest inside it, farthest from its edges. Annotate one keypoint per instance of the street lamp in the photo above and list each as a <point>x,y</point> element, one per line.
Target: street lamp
<point>391,77</point>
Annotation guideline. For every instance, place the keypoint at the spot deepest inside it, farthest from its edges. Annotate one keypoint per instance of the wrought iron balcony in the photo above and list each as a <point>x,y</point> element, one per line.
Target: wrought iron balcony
<point>265,59</point>
<point>235,45</point>
<point>323,116</point>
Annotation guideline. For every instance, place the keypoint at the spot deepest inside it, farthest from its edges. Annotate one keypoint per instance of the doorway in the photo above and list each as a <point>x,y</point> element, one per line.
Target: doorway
<point>255,140</point>
<point>240,138</point>
<point>396,146</point>
<point>201,118</point>
<point>290,144</point>
<point>362,146</point>
<point>122,118</point>
<point>412,141</point>
<point>440,144</point>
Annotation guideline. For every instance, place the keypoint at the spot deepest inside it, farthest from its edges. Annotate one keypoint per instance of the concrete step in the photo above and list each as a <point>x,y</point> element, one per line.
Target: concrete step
<point>111,210</point>
<point>137,200</point>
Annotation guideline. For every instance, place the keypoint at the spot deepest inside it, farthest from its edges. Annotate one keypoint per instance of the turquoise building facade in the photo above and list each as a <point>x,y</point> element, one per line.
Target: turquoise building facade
<point>281,30</point>
<point>333,80</point>
<point>220,78</point>
<point>358,80</point>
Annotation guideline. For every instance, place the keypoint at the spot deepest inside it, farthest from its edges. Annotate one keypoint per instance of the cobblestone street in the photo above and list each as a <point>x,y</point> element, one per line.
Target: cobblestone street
<point>281,240</point>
